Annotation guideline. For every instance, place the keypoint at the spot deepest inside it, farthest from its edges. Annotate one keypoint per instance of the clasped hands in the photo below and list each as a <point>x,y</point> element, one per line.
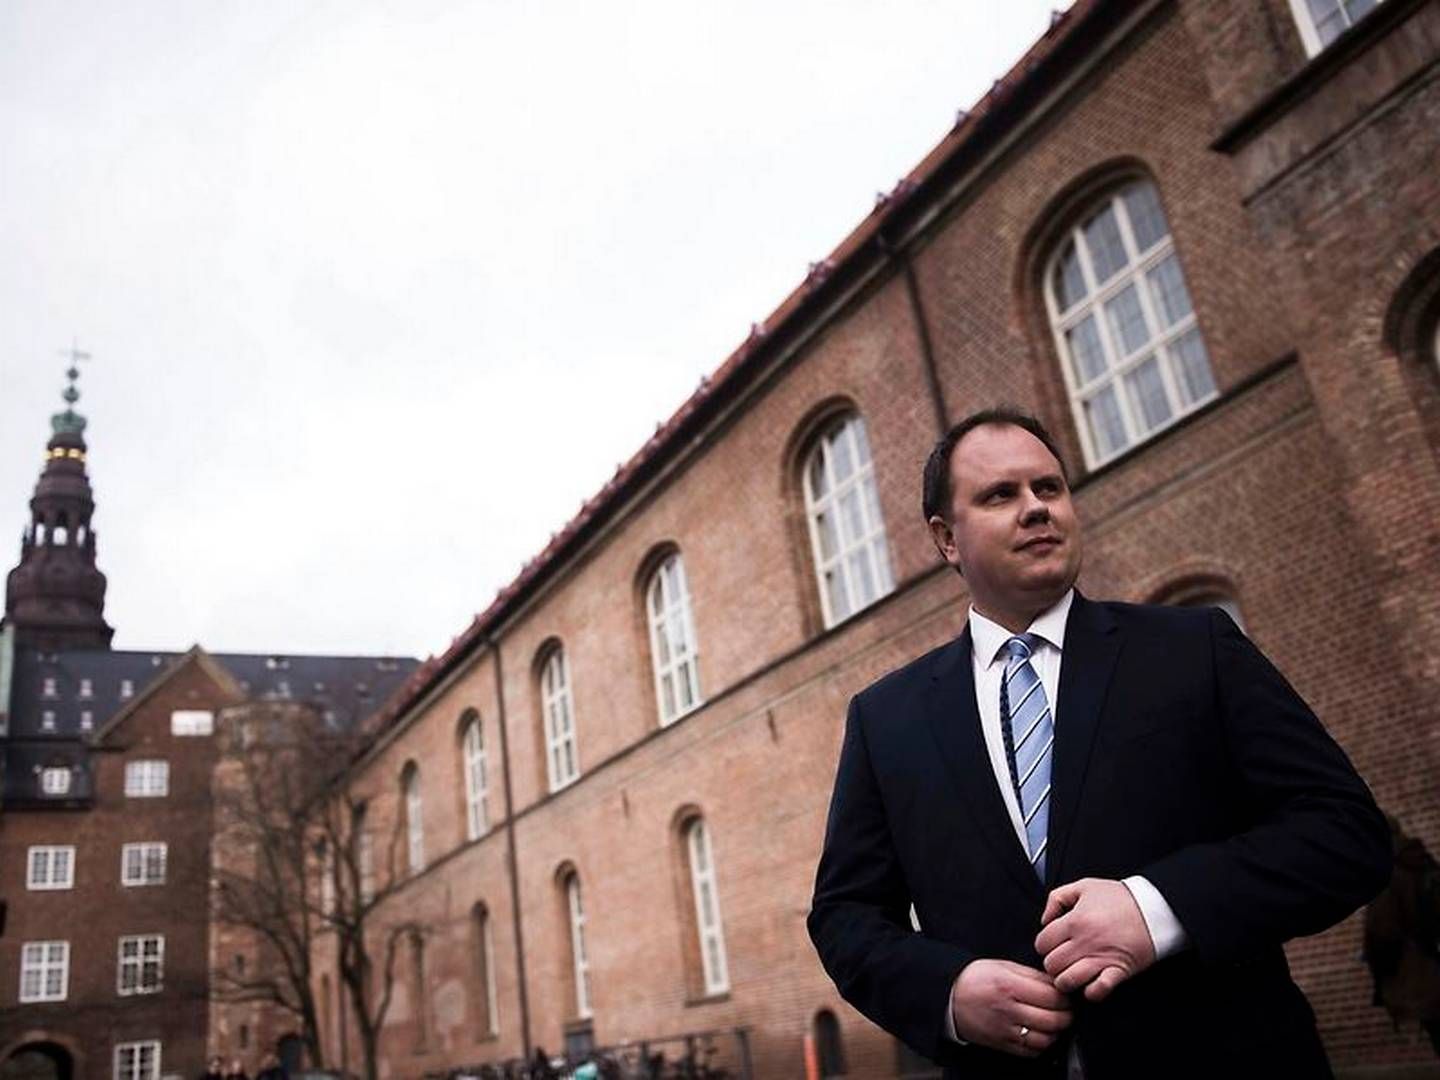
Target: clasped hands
<point>1093,938</point>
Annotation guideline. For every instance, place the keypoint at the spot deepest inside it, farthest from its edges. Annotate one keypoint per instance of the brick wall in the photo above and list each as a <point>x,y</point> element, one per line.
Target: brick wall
<point>1306,492</point>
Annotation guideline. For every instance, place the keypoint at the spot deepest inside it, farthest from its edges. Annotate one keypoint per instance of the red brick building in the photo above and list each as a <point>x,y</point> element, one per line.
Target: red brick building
<point>107,955</point>
<point>1201,241</point>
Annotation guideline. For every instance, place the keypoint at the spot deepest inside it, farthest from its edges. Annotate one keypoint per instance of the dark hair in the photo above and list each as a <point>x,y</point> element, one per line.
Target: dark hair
<point>935,493</point>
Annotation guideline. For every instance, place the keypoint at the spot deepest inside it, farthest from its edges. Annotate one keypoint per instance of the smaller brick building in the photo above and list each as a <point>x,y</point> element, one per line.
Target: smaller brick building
<point>107,760</point>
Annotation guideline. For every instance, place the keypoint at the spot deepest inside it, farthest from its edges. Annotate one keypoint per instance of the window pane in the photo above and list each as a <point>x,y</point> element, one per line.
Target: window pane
<point>1107,427</point>
<point>839,600</point>
<point>818,485</point>
<point>1167,286</point>
<point>861,578</point>
<point>825,527</point>
<point>1358,9</point>
<point>1068,281</point>
<point>843,460</point>
<point>1192,368</point>
<point>1147,220</point>
<point>853,524</point>
<point>1107,250</point>
<point>1127,321</point>
<point>667,692</point>
<point>1147,392</point>
<point>1087,356</point>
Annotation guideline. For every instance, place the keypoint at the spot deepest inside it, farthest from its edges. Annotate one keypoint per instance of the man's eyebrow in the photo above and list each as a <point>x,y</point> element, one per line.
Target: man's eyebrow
<point>992,487</point>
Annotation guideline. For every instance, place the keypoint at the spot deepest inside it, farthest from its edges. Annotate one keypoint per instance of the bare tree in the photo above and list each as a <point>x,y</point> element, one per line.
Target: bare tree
<point>294,875</point>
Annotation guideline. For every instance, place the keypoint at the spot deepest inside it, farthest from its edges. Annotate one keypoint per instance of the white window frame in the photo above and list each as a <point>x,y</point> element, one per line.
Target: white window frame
<point>562,752</point>
<point>414,819</point>
<point>477,821</point>
<point>39,962</point>
<point>136,1052</point>
<point>1118,365</point>
<point>49,867</point>
<point>148,778</point>
<point>127,689</point>
<point>860,549</point>
<point>708,924</point>
<point>192,722</point>
<point>87,688</point>
<point>137,860</point>
<point>578,954</point>
<point>49,688</point>
<point>674,651</point>
<point>148,949</point>
<point>1310,32</point>
<point>55,780</point>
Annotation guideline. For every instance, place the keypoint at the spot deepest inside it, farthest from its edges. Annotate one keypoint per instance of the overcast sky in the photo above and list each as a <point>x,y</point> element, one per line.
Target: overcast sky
<point>379,293</point>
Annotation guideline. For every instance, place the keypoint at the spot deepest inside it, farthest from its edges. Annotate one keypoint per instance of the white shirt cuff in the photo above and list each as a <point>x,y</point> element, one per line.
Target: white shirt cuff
<point>950,1017</point>
<point>1166,933</point>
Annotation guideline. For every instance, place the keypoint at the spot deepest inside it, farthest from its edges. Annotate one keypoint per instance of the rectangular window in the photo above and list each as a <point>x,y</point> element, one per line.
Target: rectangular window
<point>142,964</point>
<point>87,688</point>
<point>127,689</point>
<point>44,971</point>
<point>87,720</point>
<point>143,864</point>
<point>48,688</point>
<point>55,781</point>
<point>365,856</point>
<point>147,779</point>
<point>137,1060</point>
<point>47,720</point>
<point>51,868</point>
<point>192,722</point>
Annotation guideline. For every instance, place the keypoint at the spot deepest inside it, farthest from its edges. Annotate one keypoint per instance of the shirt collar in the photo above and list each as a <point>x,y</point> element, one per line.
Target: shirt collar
<point>988,637</point>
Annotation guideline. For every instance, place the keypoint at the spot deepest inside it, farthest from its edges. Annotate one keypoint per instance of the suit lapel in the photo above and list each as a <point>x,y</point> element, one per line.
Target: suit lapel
<point>954,721</point>
<point>1092,645</point>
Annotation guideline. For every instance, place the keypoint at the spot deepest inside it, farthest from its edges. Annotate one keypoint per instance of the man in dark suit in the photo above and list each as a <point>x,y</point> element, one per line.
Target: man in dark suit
<point>1108,818</point>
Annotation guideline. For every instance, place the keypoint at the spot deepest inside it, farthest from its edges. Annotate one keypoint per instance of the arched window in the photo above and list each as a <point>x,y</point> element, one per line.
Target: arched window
<point>562,758</point>
<point>414,820</point>
<point>707,907</point>
<point>847,533</point>
<point>672,641</point>
<point>327,1017</point>
<point>1133,357</point>
<point>473,744</point>
<point>484,947</point>
<point>419,987</point>
<point>579,958</point>
<point>829,1051</point>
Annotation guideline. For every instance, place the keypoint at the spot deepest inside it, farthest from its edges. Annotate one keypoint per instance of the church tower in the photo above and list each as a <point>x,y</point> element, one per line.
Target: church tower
<point>55,598</point>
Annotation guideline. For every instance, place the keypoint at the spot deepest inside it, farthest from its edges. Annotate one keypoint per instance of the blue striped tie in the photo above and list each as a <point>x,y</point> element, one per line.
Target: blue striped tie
<point>1029,724</point>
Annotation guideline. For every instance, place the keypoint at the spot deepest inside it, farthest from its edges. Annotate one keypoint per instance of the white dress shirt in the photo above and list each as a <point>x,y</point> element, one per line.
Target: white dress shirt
<point>988,641</point>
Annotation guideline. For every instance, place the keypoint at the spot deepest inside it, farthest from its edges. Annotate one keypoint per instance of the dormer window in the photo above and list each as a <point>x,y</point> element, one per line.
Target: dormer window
<point>55,780</point>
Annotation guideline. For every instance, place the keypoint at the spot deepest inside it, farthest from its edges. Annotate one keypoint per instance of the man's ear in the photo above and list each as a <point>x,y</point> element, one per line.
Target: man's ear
<point>943,537</point>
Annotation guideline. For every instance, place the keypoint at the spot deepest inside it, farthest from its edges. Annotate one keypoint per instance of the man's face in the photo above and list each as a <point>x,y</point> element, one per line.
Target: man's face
<point>1012,531</point>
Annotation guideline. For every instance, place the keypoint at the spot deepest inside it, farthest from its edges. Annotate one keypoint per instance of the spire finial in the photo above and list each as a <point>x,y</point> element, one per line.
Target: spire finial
<point>70,421</point>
